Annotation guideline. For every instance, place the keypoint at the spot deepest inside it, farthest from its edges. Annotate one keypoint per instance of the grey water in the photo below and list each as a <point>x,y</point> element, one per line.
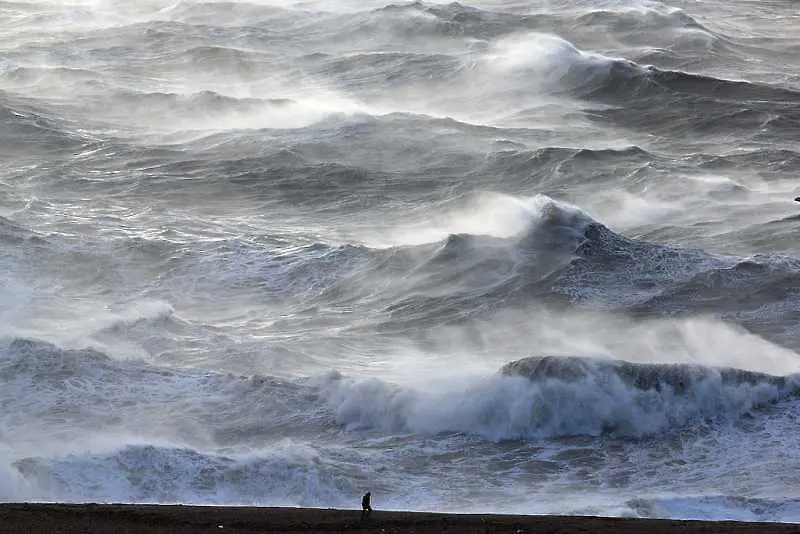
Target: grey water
<point>280,253</point>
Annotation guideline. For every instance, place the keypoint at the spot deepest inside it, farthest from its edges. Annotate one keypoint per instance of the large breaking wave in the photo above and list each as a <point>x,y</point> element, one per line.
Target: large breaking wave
<point>559,397</point>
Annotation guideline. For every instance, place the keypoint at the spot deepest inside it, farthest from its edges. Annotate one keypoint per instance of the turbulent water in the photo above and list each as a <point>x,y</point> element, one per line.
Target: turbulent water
<point>497,256</point>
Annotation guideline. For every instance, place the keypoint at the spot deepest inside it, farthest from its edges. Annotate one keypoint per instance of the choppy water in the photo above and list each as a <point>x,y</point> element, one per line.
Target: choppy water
<point>281,253</point>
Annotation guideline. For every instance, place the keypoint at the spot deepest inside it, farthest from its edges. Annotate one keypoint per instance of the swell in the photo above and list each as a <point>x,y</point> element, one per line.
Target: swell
<point>674,101</point>
<point>36,76</point>
<point>555,167</point>
<point>562,254</point>
<point>286,473</point>
<point>632,20</point>
<point>598,77</point>
<point>750,283</point>
<point>458,19</point>
<point>645,96</point>
<point>49,390</point>
<point>12,233</point>
<point>490,252</point>
<point>766,160</point>
<point>27,132</point>
<point>315,166</point>
<point>416,19</point>
<point>622,79</point>
<point>630,80</point>
<point>231,13</point>
<point>203,102</point>
<point>369,74</point>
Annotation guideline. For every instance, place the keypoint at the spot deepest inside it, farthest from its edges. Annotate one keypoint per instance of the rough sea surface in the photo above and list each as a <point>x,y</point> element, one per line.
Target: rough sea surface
<point>282,253</point>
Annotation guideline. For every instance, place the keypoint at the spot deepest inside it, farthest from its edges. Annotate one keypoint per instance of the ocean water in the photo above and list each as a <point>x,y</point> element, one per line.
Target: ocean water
<point>493,256</point>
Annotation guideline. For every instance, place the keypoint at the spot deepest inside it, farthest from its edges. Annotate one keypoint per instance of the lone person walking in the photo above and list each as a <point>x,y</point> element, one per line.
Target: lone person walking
<point>366,509</point>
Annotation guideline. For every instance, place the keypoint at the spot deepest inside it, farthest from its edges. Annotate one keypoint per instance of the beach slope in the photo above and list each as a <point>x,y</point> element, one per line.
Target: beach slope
<point>123,519</point>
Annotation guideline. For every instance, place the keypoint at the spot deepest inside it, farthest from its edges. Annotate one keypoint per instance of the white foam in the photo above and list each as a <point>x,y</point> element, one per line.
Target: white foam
<point>703,340</point>
<point>483,213</point>
<point>80,322</point>
<point>622,210</point>
<point>724,508</point>
<point>15,300</point>
<point>543,59</point>
<point>13,487</point>
<point>286,473</point>
<point>303,108</point>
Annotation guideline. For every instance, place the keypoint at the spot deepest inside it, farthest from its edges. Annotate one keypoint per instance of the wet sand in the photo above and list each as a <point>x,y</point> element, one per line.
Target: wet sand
<point>124,519</point>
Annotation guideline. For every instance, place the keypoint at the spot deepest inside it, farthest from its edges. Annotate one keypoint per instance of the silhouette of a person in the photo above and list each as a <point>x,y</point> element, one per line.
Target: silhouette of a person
<point>366,508</point>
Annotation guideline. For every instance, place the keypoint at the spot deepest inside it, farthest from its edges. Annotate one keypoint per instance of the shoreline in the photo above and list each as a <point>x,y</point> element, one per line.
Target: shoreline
<point>34,518</point>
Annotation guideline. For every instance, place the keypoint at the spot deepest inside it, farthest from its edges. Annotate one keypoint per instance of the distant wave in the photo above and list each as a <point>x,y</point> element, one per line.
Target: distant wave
<point>545,249</point>
<point>13,233</point>
<point>377,70</point>
<point>560,66</point>
<point>208,102</point>
<point>31,75</point>
<point>562,251</point>
<point>27,131</point>
<point>662,100</point>
<point>754,282</point>
<point>768,159</point>
<point>629,80</point>
<point>457,18</point>
<point>222,13</point>
<point>491,252</point>
<point>639,18</point>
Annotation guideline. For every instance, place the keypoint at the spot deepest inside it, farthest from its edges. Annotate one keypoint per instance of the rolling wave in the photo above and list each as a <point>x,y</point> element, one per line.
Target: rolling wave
<point>543,397</point>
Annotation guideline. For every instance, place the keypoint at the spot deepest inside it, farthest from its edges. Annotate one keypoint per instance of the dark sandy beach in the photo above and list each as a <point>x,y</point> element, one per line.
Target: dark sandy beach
<point>90,518</point>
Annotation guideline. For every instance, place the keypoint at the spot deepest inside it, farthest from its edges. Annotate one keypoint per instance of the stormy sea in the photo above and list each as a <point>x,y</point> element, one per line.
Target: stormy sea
<point>536,257</point>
